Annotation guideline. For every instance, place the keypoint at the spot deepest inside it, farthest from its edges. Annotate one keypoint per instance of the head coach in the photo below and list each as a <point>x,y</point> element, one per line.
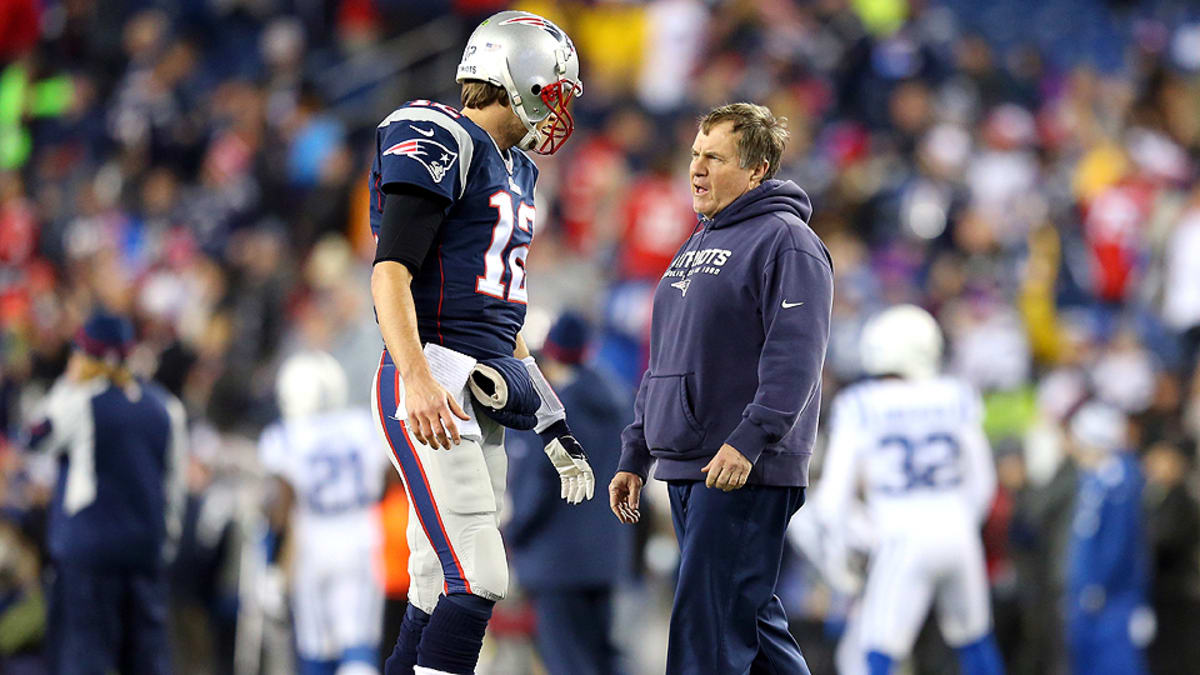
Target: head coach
<point>728,408</point>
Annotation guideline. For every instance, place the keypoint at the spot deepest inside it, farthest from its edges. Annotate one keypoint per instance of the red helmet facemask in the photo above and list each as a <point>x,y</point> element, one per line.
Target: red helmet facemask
<point>559,124</point>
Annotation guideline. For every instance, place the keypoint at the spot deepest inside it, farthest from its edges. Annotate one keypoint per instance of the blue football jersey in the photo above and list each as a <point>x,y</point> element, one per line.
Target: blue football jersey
<point>470,294</point>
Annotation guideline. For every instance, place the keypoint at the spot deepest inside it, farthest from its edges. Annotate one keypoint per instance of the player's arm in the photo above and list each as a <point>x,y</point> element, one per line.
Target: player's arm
<point>980,479</point>
<point>411,218</point>
<point>565,452</point>
<point>839,469</point>
<point>522,350</point>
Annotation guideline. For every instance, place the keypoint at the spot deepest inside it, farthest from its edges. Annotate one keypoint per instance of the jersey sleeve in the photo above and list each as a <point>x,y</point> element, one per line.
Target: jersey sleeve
<point>839,475</point>
<point>980,468</point>
<point>176,474</point>
<point>57,421</point>
<point>426,148</point>
<point>272,451</point>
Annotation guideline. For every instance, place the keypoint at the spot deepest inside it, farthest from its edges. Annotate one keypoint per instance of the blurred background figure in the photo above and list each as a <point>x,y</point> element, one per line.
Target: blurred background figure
<point>913,440</point>
<point>1108,622</point>
<point>393,559</point>
<point>570,559</point>
<point>328,465</point>
<point>114,518</point>
<point>1173,525</point>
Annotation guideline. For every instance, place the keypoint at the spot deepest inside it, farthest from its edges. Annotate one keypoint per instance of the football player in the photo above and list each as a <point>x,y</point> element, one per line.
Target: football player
<point>452,208</point>
<point>330,467</point>
<point>913,440</point>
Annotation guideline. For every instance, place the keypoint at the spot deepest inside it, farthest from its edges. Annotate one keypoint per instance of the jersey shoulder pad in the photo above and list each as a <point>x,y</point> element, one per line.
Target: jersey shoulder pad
<point>850,405</point>
<point>526,161</point>
<point>964,397</point>
<point>428,145</point>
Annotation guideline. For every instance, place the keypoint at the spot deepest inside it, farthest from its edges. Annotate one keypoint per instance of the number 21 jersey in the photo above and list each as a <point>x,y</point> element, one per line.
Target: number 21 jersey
<point>470,292</point>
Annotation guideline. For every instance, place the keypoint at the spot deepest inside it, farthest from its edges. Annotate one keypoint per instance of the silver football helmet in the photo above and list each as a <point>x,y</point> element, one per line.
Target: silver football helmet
<point>537,65</point>
<point>310,382</point>
<point>903,340</point>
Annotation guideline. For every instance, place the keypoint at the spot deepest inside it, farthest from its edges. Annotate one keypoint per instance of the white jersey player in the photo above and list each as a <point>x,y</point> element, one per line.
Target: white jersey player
<point>911,443</point>
<point>332,462</point>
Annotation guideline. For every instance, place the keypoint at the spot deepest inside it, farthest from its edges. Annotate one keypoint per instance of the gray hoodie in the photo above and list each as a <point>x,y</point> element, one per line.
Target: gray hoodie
<point>738,336</point>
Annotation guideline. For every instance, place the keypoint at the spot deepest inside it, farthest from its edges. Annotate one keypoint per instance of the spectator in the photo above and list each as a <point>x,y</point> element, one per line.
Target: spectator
<point>1173,525</point>
<point>1108,622</point>
<point>569,559</point>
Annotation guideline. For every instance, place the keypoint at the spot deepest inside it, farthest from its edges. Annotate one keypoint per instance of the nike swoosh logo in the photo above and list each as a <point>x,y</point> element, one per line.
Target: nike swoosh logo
<point>423,132</point>
<point>789,305</point>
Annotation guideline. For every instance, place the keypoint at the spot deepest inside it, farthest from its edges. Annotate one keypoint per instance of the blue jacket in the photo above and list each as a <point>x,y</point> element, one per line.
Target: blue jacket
<point>553,545</point>
<point>738,336</point>
<point>1107,561</point>
<point>118,500</point>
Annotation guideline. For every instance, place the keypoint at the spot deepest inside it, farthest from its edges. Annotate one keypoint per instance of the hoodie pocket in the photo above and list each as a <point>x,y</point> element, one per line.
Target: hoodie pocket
<point>669,422</point>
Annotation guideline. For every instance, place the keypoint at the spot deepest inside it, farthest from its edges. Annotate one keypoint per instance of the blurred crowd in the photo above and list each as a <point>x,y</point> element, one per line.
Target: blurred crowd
<point>1024,170</point>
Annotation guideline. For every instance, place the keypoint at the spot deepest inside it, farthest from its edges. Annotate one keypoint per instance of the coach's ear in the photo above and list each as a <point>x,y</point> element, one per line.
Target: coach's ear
<point>759,173</point>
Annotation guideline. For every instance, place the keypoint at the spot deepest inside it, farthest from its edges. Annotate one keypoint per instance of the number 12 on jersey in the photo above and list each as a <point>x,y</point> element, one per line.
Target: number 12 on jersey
<point>494,263</point>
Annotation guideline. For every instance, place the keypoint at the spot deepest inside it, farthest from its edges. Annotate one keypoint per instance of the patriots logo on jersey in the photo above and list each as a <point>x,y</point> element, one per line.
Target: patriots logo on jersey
<point>535,21</point>
<point>682,286</point>
<point>435,157</point>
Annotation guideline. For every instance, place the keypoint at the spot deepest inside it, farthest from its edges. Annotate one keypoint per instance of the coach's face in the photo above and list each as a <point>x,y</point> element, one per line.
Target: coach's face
<point>716,172</point>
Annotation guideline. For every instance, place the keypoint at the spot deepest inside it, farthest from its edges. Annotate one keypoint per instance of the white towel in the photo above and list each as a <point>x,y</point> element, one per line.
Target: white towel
<point>452,370</point>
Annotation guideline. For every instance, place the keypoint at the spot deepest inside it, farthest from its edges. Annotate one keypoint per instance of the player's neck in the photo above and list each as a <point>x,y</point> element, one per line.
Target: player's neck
<point>494,119</point>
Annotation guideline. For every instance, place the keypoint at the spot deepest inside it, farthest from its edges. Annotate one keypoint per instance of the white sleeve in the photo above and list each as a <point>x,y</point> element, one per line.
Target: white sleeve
<point>979,483</point>
<point>839,475</point>
<point>176,476</point>
<point>64,409</point>
<point>273,451</point>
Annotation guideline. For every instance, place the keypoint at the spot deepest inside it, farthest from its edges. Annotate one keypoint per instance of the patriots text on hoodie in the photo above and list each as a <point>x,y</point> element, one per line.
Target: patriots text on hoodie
<point>738,337</point>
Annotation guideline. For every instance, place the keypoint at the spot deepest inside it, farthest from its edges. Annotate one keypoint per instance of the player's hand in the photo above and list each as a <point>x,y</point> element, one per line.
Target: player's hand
<point>727,470</point>
<point>571,462</point>
<point>431,412</point>
<point>624,496</point>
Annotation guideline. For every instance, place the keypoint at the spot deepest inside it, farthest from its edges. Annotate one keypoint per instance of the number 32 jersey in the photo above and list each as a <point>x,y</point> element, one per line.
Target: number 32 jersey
<point>916,450</point>
<point>470,293</point>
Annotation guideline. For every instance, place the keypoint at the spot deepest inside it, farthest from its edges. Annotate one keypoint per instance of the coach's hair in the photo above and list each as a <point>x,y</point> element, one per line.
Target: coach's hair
<point>480,94</point>
<point>761,135</point>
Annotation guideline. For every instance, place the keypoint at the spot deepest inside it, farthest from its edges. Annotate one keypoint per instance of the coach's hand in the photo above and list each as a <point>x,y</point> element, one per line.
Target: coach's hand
<point>728,470</point>
<point>431,412</point>
<point>624,495</point>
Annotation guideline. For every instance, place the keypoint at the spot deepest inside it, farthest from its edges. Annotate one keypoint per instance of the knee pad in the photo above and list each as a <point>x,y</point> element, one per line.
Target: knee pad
<point>488,570</point>
<point>423,593</point>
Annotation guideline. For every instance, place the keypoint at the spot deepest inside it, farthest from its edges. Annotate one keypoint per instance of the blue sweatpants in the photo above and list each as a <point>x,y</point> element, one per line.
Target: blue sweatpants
<point>574,631</point>
<point>104,621</point>
<point>726,619</point>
